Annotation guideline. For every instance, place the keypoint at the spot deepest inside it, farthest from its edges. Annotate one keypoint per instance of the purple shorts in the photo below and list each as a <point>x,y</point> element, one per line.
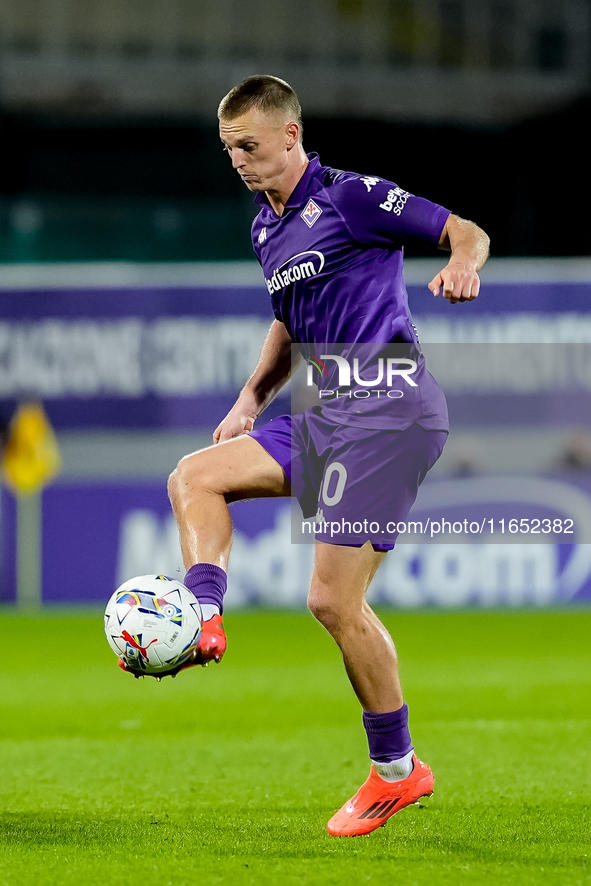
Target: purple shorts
<point>359,484</point>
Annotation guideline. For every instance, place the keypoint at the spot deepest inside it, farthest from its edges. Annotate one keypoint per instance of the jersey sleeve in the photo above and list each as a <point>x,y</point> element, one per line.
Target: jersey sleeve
<point>379,213</point>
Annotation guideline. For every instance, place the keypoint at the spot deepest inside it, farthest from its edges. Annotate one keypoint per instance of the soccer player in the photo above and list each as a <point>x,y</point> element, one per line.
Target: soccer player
<point>330,244</point>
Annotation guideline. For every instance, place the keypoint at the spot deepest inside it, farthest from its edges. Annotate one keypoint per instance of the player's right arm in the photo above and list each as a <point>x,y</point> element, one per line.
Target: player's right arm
<point>469,247</point>
<point>379,213</point>
<point>272,371</point>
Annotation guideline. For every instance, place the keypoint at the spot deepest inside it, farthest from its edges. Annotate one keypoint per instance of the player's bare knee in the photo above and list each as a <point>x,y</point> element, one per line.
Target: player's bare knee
<point>325,611</point>
<point>177,490</point>
<point>189,476</point>
<point>325,615</point>
<point>173,486</point>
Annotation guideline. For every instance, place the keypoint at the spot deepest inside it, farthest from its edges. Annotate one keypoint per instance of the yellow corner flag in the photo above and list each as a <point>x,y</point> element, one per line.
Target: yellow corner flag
<point>31,457</point>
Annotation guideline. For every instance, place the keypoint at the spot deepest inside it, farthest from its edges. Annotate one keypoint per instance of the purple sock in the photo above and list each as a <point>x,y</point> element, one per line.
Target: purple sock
<point>388,735</point>
<point>208,583</point>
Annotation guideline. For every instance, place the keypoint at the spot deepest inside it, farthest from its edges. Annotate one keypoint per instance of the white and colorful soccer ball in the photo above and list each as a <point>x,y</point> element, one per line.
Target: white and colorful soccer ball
<point>153,623</point>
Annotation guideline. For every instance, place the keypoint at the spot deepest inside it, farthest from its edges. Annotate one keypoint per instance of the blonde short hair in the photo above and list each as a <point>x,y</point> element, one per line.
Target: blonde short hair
<point>265,93</point>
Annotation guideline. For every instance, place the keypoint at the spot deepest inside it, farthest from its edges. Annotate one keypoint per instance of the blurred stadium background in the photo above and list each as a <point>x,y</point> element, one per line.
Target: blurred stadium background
<point>133,310</point>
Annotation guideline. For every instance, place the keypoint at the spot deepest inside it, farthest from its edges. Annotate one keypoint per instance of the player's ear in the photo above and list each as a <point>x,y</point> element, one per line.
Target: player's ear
<point>292,135</point>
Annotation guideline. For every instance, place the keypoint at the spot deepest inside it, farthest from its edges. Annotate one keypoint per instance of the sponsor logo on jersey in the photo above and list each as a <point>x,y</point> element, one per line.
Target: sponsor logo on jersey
<point>369,181</point>
<point>395,201</point>
<point>311,213</point>
<point>262,236</point>
<point>293,270</point>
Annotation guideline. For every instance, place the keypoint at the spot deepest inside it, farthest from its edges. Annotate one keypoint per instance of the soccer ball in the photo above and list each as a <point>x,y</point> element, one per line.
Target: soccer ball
<point>153,623</point>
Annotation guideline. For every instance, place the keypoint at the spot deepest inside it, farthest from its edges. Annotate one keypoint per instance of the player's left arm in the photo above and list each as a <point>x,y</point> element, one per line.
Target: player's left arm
<point>469,245</point>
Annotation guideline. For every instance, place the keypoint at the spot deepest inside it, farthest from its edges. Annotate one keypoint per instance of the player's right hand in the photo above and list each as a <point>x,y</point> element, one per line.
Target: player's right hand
<point>236,423</point>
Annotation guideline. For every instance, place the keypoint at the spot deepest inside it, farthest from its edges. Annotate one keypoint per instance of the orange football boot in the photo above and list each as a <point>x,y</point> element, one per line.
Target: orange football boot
<point>377,800</point>
<point>212,642</point>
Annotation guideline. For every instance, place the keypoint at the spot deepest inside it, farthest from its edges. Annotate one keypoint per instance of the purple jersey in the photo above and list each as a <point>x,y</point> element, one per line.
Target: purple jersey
<point>333,267</point>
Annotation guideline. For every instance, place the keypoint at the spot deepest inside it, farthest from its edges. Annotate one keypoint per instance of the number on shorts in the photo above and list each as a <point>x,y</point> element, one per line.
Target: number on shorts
<point>335,468</point>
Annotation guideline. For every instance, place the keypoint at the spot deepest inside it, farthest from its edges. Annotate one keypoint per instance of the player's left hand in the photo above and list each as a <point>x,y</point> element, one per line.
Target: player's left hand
<point>458,281</point>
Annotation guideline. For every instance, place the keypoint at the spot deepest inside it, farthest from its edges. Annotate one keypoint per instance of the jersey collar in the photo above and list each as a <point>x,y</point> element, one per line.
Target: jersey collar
<point>304,188</point>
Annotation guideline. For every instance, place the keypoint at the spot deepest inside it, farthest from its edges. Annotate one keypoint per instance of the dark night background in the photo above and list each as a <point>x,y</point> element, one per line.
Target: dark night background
<point>526,184</point>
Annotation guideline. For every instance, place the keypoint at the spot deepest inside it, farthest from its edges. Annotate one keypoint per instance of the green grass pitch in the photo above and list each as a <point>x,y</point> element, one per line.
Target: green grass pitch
<point>229,774</point>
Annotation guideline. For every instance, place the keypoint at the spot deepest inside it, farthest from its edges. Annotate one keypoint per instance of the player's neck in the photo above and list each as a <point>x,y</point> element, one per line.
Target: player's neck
<point>279,196</point>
